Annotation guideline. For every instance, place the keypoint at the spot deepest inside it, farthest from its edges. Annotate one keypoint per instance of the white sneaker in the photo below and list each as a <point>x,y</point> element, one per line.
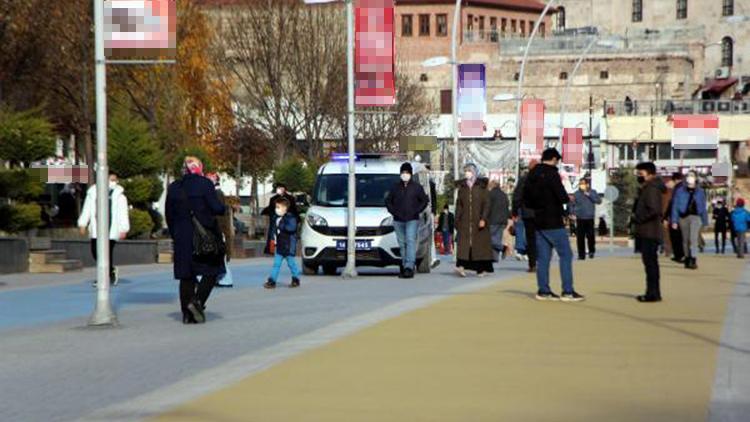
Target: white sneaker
<point>460,271</point>
<point>519,257</point>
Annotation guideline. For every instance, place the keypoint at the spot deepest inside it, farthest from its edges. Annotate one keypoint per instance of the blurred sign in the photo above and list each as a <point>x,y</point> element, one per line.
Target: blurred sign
<point>694,131</point>
<point>472,101</point>
<point>532,126</point>
<point>417,143</point>
<point>140,28</point>
<point>572,146</point>
<point>374,50</point>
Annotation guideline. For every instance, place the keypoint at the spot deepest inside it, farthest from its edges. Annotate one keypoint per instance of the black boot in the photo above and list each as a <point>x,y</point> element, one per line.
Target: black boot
<point>270,284</point>
<point>295,282</point>
<point>693,263</point>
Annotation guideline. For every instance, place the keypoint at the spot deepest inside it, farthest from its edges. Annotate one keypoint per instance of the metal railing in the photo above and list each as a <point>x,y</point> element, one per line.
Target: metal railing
<point>666,107</point>
<point>491,35</point>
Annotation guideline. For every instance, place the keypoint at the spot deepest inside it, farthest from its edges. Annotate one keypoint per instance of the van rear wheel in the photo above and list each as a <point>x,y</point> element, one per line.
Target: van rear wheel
<point>329,269</point>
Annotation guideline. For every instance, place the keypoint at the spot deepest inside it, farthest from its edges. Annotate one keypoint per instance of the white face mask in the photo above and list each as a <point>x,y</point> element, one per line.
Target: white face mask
<point>279,191</point>
<point>112,184</point>
<point>405,177</point>
<point>690,180</point>
<point>280,211</point>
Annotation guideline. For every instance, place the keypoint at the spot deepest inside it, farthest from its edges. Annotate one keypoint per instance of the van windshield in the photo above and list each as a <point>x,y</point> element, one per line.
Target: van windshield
<point>331,190</point>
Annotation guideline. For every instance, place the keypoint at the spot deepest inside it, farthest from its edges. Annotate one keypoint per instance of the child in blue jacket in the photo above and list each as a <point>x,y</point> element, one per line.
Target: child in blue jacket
<point>286,244</point>
<point>740,218</point>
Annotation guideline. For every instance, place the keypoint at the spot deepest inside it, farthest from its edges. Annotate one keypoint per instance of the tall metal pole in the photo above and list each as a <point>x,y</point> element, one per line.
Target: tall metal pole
<point>351,255</point>
<point>103,314</point>
<point>519,91</point>
<point>566,91</point>
<point>454,85</point>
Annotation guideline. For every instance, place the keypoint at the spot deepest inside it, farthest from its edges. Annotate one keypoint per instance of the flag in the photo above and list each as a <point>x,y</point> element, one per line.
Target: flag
<point>374,51</point>
<point>532,126</point>
<point>472,101</point>
<point>693,131</point>
<point>572,146</point>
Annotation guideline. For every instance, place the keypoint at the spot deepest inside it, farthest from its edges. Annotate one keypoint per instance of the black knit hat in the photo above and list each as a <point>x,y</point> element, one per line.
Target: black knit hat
<point>406,168</point>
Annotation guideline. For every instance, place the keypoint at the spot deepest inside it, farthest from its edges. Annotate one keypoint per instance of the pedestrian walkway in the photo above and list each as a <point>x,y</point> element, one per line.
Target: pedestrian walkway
<point>497,355</point>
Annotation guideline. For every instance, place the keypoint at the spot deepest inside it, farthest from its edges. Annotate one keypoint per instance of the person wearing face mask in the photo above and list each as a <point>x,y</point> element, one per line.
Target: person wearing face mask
<point>269,211</point>
<point>447,226</point>
<point>405,201</point>
<point>721,224</point>
<point>689,214</point>
<point>584,209</point>
<point>647,217</point>
<point>474,250</point>
<point>675,235</point>
<point>286,244</point>
<point>545,194</point>
<point>119,220</point>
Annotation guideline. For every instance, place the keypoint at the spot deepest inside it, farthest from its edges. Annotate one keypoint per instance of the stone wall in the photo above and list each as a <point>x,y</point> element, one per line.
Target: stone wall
<point>15,255</point>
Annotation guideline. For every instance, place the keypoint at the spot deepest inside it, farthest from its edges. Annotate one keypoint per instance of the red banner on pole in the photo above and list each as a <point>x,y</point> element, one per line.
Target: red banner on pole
<point>374,51</point>
<point>572,146</point>
<point>532,127</point>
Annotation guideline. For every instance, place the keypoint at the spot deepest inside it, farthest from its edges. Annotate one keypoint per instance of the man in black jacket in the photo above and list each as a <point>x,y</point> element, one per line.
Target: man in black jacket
<point>527,218</point>
<point>546,195</point>
<point>406,201</point>
<point>648,228</point>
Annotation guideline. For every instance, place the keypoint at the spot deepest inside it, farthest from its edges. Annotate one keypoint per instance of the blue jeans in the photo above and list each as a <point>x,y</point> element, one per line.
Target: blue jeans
<point>406,233</point>
<point>520,236</point>
<point>290,261</point>
<point>447,242</point>
<point>556,239</point>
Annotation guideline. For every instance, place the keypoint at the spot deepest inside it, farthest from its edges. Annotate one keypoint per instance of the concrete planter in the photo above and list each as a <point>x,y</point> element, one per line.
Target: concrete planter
<point>15,255</point>
<point>127,252</point>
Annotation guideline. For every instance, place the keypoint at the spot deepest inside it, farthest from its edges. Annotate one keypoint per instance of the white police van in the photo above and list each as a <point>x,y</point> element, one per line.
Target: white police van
<point>324,229</point>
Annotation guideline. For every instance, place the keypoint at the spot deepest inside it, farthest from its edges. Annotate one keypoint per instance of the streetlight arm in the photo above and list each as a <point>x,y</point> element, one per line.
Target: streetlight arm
<point>564,99</point>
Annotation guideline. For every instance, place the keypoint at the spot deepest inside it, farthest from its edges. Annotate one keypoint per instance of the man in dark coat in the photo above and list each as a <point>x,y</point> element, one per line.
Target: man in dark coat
<point>195,194</point>
<point>721,225</point>
<point>405,201</point>
<point>474,250</point>
<point>546,195</point>
<point>498,218</point>
<point>648,217</point>
<point>527,218</point>
<point>270,211</point>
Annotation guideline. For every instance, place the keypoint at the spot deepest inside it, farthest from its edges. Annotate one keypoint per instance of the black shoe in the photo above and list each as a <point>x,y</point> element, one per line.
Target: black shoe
<point>196,309</point>
<point>224,286</point>
<point>547,296</point>
<point>648,299</point>
<point>408,273</point>
<point>295,282</point>
<point>572,297</point>
<point>678,260</point>
<point>270,284</point>
<point>591,255</point>
<point>692,263</point>
<point>581,257</point>
<point>531,269</point>
<point>188,319</point>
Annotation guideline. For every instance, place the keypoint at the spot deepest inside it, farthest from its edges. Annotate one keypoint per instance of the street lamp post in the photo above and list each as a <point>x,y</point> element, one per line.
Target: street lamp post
<point>519,91</point>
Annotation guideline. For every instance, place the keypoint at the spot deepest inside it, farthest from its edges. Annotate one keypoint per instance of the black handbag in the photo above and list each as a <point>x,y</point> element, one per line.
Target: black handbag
<point>206,244</point>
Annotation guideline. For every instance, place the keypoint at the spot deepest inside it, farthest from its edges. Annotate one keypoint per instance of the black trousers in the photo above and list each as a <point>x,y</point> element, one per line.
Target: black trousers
<point>650,258</point>
<point>585,234</point>
<point>191,289</point>
<point>530,229</point>
<point>675,237</point>
<point>112,244</point>
<point>720,232</point>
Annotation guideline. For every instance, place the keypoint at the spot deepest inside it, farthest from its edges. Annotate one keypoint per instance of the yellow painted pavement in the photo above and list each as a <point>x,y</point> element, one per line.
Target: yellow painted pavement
<point>497,355</point>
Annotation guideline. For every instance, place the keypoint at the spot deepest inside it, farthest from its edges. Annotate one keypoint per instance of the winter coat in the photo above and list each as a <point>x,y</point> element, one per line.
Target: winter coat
<point>648,210</point>
<point>721,218</point>
<point>518,207</point>
<point>546,195</point>
<point>472,205</point>
<point>584,206</point>
<point>447,221</point>
<point>204,203</point>
<point>226,222</point>
<point>406,201</point>
<point>270,211</point>
<point>499,213</point>
<point>286,235</point>
<point>680,203</point>
<point>118,208</point>
<point>740,218</point>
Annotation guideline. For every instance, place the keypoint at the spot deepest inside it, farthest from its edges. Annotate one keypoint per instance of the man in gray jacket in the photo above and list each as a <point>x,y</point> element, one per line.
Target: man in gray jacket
<point>584,210</point>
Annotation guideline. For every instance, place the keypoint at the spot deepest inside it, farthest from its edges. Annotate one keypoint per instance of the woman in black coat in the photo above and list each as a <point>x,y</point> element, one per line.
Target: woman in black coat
<point>193,192</point>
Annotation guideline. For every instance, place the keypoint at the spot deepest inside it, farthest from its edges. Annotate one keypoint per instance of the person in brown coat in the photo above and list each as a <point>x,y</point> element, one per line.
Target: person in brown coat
<point>474,251</point>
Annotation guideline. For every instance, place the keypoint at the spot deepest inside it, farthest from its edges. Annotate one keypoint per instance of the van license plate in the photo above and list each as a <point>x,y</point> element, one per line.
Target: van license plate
<point>360,245</point>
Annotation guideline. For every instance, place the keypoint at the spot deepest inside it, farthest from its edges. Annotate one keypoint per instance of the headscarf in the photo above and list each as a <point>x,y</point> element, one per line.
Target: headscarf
<point>472,168</point>
<point>192,165</point>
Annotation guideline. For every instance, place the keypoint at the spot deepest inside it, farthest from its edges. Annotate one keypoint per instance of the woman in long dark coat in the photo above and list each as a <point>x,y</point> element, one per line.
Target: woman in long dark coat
<point>193,192</point>
<point>474,250</point>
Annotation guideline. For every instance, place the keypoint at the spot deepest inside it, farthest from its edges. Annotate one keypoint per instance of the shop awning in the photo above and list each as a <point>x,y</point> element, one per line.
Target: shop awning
<point>717,86</point>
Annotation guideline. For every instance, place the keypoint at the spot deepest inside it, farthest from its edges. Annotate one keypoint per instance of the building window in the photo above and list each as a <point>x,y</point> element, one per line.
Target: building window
<point>563,76</point>
<point>516,76</point>
<point>442,25</point>
<point>604,74</point>
<point>446,101</point>
<point>541,30</point>
<point>493,29</point>
<point>727,51</point>
<point>470,23</point>
<point>503,26</point>
<point>682,9</point>
<point>406,25</point>
<point>561,19</point>
<point>423,77</point>
<point>512,26</point>
<point>523,28</point>
<point>424,25</point>
<point>637,10</point>
<point>727,8</point>
<point>481,27</point>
